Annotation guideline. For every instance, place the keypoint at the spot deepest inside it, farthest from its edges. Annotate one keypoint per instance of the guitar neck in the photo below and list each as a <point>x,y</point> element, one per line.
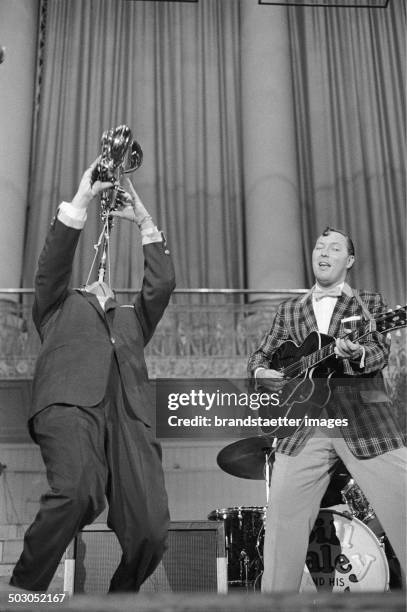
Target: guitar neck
<point>318,356</point>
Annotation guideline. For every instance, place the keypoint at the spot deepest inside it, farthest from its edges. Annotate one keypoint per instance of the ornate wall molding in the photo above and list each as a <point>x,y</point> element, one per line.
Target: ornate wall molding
<point>199,336</point>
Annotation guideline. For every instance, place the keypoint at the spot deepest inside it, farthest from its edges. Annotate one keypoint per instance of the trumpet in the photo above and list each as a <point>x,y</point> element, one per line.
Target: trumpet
<point>120,155</point>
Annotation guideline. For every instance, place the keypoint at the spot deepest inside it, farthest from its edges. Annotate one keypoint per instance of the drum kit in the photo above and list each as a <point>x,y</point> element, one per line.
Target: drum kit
<point>345,535</point>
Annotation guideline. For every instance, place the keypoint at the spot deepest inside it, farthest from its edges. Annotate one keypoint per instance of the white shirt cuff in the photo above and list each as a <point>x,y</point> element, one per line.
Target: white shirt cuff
<point>152,234</point>
<point>257,370</point>
<point>362,359</point>
<point>71,216</point>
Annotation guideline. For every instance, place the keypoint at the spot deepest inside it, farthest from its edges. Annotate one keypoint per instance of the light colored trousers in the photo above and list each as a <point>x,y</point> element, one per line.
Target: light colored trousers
<point>298,484</point>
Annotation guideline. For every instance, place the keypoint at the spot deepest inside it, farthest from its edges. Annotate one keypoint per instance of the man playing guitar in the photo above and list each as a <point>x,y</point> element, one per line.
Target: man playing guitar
<point>372,446</point>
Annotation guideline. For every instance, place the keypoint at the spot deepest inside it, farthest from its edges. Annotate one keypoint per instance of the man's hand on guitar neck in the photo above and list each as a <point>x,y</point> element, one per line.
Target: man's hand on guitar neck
<point>272,380</point>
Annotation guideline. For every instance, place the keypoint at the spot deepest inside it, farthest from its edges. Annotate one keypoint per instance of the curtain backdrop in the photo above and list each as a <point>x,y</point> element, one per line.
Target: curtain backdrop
<point>170,71</point>
<point>349,83</point>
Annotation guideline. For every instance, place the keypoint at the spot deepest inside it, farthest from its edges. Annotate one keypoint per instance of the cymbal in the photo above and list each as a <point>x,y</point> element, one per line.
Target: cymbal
<point>246,458</point>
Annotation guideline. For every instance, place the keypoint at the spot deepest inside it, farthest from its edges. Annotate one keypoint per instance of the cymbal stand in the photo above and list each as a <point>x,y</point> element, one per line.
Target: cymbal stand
<point>244,568</point>
<point>268,452</point>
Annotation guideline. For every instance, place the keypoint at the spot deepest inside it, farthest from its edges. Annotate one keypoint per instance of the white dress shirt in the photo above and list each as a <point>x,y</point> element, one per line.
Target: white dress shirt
<point>323,308</point>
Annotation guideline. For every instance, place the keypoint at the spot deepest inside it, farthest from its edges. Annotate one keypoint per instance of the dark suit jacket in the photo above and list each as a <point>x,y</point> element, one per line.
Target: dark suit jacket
<point>361,399</point>
<point>79,339</point>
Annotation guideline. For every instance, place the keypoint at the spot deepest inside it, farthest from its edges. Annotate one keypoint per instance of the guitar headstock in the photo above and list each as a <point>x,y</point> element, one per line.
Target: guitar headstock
<point>389,321</point>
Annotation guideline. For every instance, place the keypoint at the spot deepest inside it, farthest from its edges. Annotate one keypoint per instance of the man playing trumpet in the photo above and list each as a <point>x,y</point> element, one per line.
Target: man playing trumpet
<point>92,404</point>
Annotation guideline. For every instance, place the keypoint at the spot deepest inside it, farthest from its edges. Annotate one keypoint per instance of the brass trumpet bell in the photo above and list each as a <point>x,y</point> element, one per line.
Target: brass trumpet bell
<point>120,155</point>
<point>134,157</point>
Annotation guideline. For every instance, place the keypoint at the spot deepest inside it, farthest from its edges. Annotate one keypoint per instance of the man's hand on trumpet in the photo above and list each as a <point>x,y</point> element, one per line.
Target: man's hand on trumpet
<point>132,208</point>
<point>87,189</point>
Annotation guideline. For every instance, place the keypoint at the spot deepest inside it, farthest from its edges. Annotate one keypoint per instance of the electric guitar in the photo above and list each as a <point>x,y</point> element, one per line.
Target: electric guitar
<point>309,369</point>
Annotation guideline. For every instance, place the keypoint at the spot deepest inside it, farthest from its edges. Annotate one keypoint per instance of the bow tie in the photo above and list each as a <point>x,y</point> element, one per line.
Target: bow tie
<point>322,293</point>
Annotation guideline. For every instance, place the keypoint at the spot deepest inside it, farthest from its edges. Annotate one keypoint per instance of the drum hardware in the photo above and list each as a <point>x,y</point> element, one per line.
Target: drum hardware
<point>343,489</point>
<point>244,567</point>
<point>359,506</point>
<point>260,540</point>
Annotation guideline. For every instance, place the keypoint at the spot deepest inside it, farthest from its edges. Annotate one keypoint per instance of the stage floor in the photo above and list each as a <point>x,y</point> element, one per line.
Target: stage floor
<point>253,602</point>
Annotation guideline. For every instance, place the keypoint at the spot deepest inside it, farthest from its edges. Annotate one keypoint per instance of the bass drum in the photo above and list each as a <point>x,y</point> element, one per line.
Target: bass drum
<point>344,555</point>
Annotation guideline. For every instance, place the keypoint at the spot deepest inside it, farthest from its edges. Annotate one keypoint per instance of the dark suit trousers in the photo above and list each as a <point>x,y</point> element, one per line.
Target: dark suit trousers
<point>90,453</point>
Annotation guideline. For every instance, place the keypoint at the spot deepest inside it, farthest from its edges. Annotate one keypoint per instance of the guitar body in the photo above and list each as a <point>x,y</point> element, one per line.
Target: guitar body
<point>306,393</point>
<point>289,352</point>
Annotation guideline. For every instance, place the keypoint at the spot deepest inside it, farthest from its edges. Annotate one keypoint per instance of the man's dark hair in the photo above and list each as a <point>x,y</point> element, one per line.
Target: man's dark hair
<point>349,242</point>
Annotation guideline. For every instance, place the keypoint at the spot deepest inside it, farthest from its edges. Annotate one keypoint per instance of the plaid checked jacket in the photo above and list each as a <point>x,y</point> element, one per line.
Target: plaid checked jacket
<point>372,428</point>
